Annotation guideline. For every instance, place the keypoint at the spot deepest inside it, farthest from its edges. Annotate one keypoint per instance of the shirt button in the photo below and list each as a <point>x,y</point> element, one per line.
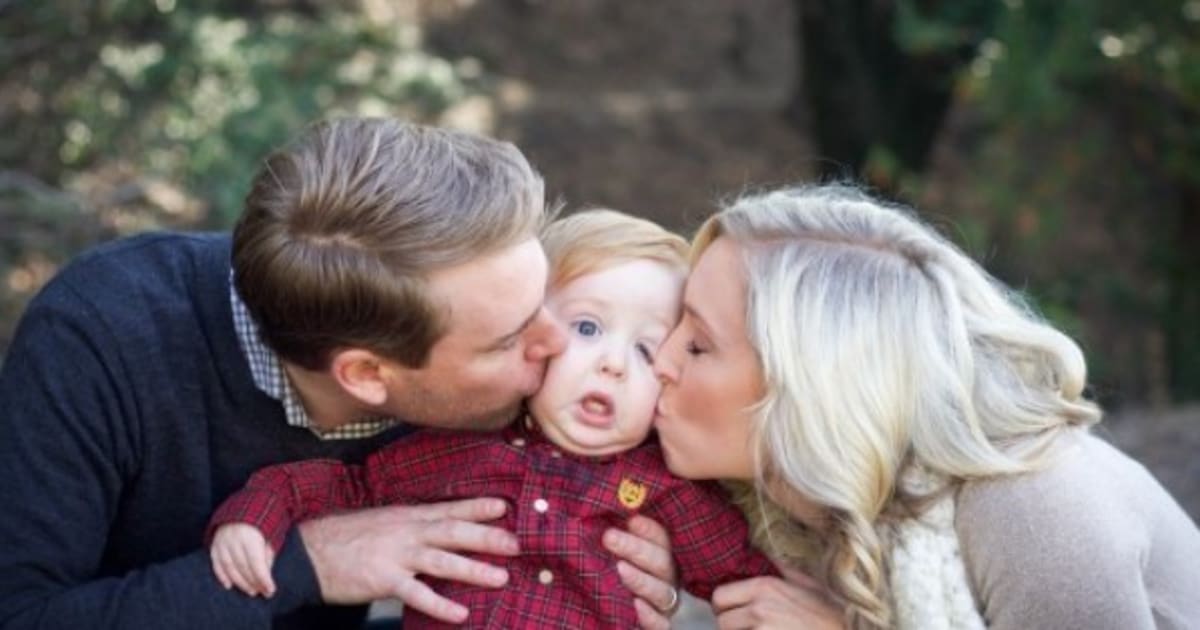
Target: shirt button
<point>518,442</point>
<point>545,576</point>
<point>555,454</point>
<point>541,505</point>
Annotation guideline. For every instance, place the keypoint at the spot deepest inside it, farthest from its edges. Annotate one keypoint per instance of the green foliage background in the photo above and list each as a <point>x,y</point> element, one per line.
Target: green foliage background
<point>1075,152</point>
<point>197,92</point>
<point>1088,118</point>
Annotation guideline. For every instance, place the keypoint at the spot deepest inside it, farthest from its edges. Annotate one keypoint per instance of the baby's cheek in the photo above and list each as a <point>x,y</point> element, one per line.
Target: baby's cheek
<point>648,398</point>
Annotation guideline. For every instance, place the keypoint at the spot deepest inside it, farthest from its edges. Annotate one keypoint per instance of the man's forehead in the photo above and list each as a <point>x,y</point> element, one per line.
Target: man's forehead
<point>473,320</point>
<point>491,296</point>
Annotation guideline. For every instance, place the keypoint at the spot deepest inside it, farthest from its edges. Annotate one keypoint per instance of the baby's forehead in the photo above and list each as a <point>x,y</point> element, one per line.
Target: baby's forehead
<point>661,308</point>
<point>566,274</point>
<point>623,282</point>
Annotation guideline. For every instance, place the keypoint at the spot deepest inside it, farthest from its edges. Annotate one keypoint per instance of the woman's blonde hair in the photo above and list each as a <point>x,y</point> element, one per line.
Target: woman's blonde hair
<point>883,346</point>
<point>598,238</point>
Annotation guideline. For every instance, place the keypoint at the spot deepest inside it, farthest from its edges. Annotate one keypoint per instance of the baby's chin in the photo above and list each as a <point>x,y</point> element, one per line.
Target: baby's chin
<point>587,441</point>
<point>602,448</point>
<point>606,450</point>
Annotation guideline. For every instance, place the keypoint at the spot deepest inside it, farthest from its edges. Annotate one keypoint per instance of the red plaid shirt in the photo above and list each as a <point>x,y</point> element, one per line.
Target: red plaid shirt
<point>559,505</point>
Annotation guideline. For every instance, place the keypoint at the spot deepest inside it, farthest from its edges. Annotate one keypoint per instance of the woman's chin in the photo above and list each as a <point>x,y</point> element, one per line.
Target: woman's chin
<point>674,464</point>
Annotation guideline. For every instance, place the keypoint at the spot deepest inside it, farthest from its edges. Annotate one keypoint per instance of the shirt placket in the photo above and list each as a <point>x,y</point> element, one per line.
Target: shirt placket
<point>541,522</point>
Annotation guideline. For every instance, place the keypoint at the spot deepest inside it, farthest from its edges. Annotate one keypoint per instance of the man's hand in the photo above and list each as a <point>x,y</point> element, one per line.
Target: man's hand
<point>377,553</point>
<point>646,568</point>
<point>241,557</point>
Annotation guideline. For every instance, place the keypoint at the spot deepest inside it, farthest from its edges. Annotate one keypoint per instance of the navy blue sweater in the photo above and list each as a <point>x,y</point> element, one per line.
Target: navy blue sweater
<point>127,413</point>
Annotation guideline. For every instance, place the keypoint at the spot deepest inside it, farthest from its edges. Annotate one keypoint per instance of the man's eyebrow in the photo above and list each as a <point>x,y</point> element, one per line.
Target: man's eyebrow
<point>506,339</point>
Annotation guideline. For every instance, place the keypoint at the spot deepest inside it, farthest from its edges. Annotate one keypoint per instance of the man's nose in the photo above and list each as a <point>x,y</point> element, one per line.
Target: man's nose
<point>547,337</point>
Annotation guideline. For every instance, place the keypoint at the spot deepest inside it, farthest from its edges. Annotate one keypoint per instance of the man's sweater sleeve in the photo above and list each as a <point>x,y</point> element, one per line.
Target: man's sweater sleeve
<point>67,451</point>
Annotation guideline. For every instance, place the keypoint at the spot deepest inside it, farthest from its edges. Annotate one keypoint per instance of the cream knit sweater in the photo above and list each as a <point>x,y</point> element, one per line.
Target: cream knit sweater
<point>1093,541</point>
<point>930,588</point>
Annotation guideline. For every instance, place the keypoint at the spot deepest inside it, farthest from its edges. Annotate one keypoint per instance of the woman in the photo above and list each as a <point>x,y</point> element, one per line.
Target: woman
<point>917,440</point>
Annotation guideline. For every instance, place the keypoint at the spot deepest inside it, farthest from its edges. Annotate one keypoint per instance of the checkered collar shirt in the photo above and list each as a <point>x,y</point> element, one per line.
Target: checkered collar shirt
<point>272,380</point>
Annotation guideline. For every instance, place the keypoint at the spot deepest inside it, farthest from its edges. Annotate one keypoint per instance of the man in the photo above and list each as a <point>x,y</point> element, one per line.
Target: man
<point>380,271</point>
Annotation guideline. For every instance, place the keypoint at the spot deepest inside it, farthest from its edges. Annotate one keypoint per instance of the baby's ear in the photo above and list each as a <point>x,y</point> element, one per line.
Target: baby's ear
<point>361,374</point>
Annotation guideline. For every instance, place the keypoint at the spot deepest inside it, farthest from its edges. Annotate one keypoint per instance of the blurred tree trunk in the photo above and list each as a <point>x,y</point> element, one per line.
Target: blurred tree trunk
<point>1166,156</point>
<point>857,89</point>
<point>1183,300</point>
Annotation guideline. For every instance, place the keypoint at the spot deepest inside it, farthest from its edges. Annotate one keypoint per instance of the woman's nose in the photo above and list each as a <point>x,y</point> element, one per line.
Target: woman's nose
<point>664,367</point>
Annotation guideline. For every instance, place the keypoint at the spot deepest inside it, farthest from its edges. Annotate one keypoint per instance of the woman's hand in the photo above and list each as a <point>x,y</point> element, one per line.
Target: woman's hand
<point>762,603</point>
<point>646,568</point>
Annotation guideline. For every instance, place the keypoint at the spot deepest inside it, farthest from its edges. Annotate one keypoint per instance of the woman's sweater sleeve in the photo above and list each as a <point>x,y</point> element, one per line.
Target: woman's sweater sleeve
<point>1071,546</point>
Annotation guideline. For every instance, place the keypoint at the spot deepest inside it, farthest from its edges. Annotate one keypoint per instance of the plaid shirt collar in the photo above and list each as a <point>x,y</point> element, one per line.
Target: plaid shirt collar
<point>270,378</point>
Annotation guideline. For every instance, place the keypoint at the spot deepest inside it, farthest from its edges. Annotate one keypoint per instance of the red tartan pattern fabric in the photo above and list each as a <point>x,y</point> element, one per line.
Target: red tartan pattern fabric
<point>559,506</point>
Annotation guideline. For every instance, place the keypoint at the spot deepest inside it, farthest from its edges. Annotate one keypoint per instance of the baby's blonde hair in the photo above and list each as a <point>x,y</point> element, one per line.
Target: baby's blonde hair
<point>598,238</point>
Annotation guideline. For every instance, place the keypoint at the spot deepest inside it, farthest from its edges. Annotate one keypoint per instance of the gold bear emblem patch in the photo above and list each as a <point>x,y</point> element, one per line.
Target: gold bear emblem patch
<point>631,493</point>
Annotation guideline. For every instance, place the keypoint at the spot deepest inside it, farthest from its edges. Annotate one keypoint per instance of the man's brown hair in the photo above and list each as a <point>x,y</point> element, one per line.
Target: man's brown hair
<point>341,229</point>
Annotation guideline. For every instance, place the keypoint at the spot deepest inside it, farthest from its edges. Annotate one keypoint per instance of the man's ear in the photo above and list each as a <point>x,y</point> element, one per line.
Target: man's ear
<point>360,373</point>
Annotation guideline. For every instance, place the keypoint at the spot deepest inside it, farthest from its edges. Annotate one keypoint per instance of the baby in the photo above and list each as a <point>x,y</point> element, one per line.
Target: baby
<point>577,464</point>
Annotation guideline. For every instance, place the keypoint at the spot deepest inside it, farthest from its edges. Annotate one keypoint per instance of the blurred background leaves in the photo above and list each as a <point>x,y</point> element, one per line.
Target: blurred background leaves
<point>191,94</point>
<point>1057,140</point>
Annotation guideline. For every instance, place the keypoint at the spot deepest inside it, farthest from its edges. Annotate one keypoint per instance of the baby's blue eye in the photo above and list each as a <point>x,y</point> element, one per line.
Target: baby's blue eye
<point>586,328</point>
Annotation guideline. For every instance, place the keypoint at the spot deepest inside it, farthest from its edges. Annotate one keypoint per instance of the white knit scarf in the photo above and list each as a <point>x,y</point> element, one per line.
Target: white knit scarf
<point>930,589</point>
